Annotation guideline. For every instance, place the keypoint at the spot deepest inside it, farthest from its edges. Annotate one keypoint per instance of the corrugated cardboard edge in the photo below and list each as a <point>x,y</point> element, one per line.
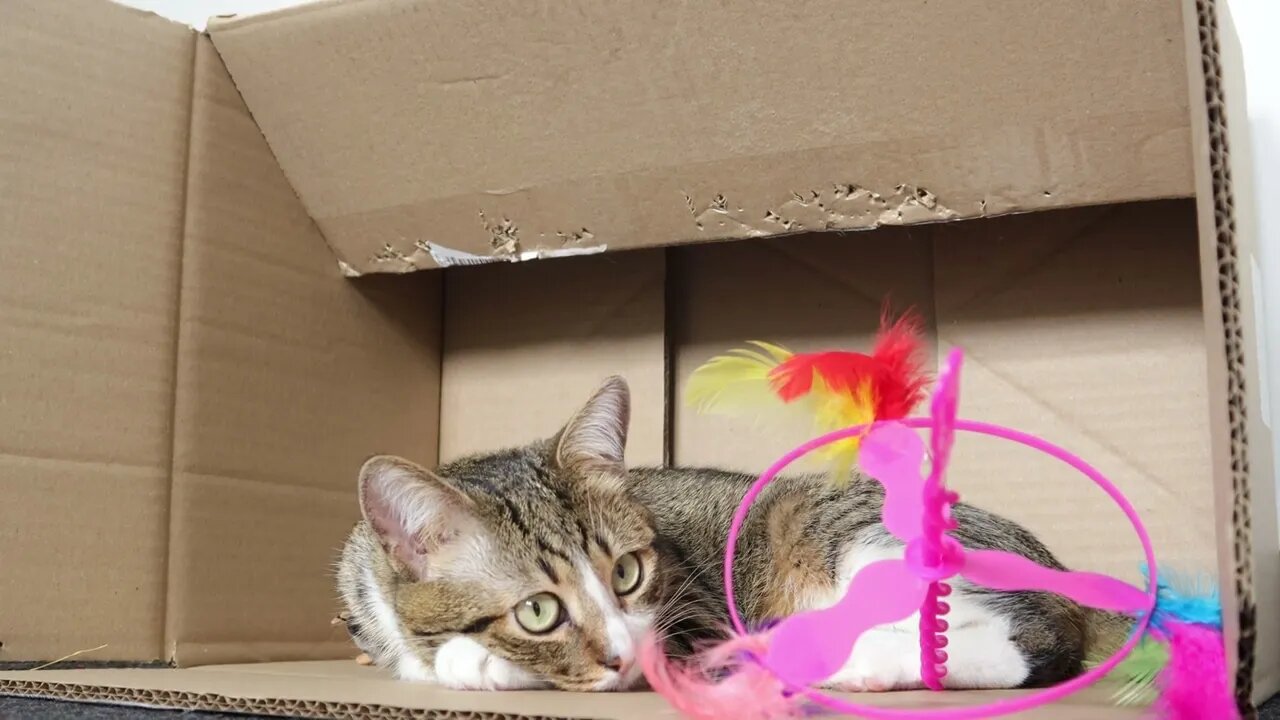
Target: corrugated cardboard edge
<point>344,690</point>
<point>1225,309</point>
<point>178,700</point>
<point>213,702</point>
<point>333,689</point>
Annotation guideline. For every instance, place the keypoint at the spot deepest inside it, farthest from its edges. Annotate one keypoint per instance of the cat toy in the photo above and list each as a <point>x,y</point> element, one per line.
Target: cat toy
<point>860,405</point>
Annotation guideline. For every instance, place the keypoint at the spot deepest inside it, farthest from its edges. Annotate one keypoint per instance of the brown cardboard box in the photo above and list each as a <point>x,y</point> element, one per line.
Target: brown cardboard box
<point>189,381</point>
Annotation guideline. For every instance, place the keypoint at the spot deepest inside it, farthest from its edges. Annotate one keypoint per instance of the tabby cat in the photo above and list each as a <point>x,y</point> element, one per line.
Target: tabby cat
<point>546,566</point>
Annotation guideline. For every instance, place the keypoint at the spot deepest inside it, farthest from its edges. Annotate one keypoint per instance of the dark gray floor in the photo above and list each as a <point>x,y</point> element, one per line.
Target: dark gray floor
<point>21,708</point>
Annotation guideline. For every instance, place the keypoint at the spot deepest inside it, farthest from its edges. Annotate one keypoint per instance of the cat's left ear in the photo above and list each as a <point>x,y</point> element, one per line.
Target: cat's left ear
<point>595,439</point>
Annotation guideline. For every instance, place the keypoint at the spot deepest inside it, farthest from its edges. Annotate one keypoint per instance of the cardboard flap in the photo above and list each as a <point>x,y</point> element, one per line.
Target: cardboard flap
<point>288,378</point>
<point>93,154</point>
<point>419,132</point>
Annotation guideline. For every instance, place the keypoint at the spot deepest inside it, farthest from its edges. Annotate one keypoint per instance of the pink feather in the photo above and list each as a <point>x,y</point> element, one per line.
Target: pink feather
<point>721,682</point>
<point>1194,685</point>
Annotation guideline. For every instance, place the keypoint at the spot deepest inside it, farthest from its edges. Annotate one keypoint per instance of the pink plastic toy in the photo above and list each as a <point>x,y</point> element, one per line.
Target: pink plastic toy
<point>809,647</point>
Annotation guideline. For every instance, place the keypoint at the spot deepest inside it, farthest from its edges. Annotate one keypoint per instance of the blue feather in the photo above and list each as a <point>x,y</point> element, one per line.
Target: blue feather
<point>1189,598</point>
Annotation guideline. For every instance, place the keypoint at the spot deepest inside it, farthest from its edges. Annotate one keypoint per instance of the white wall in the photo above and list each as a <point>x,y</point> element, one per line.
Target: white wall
<point>196,12</point>
<point>1257,21</point>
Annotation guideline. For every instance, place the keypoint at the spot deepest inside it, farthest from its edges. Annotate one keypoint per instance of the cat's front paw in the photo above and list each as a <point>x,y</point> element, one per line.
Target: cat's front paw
<point>464,664</point>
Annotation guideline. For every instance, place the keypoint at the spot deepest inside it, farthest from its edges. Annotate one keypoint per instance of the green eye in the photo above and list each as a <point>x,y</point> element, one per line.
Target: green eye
<point>540,614</point>
<point>627,574</point>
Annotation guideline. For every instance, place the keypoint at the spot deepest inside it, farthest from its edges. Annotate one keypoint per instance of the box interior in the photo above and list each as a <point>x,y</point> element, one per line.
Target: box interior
<point>180,489</point>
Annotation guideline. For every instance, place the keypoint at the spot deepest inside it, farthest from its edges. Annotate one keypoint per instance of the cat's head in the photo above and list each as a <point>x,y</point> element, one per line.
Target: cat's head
<point>538,553</point>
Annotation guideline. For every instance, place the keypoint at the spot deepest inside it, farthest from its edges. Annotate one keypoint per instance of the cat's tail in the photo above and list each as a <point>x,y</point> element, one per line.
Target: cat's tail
<point>1104,633</point>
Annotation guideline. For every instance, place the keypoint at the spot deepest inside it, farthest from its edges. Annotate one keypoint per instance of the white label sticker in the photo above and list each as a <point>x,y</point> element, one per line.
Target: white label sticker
<point>448,257</point>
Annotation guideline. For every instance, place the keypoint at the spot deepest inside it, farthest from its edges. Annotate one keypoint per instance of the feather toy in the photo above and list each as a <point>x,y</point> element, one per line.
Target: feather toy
<point>835,389</point>
<point>1137,674</point>
<point>721,682</point>
<point>1181,663</point>
<point>1194,686</point>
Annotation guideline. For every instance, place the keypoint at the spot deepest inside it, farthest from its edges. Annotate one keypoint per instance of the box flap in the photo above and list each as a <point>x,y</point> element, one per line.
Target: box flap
<point>288,378</point>
<point>341,689</point>
<point>418,133</point>
<point>93,154</point>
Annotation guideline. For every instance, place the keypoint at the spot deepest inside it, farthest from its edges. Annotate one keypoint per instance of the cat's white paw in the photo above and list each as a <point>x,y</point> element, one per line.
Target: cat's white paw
<point>464,664</point>
<point>882,660</point>
<point>981,656</point>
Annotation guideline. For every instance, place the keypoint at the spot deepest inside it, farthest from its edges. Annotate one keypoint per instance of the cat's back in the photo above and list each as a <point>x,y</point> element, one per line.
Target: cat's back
<point>689,495</point>
<point>694,507</point>
<point>797,531</point>
<point>706,498</point>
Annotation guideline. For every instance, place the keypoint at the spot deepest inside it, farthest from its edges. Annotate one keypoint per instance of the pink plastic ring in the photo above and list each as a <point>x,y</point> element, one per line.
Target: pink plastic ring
<point>974,712</point>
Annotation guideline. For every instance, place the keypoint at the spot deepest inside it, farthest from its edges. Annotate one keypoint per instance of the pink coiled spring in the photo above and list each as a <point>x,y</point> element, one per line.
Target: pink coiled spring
<point>940,556</point>
<point>937,556</point>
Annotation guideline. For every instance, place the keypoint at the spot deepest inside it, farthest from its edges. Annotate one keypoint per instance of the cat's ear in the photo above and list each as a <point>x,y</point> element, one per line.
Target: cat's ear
<point>596,437</point>
<point>414,512</point>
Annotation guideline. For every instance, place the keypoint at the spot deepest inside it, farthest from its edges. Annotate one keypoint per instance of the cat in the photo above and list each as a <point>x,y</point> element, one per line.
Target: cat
<point>547,566</point>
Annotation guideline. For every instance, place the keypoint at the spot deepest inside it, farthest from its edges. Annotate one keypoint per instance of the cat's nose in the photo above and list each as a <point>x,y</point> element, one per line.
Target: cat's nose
<point>616,663</point>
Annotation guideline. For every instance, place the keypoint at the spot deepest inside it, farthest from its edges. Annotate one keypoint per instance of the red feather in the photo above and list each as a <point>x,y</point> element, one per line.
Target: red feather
<point>894,371</point>
<point>899,358</point>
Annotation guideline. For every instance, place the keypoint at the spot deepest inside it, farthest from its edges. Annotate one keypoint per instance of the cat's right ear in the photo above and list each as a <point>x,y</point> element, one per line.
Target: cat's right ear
<point>414,512</point>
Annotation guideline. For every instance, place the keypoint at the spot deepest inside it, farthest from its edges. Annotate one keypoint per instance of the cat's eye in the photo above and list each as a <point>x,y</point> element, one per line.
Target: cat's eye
<point>540,614</point>
<point>627,574</point>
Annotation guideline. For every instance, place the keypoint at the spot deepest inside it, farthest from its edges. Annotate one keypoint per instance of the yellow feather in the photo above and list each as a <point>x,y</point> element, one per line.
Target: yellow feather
<point>778,353</point>
<point>737,381</point>
<point>834,411</point>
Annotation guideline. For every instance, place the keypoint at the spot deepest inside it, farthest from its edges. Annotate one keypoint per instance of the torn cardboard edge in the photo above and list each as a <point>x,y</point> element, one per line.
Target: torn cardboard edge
<point>694,204</point>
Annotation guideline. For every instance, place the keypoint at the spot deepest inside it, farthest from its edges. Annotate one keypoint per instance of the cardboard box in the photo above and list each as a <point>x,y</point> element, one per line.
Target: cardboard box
<point>191,377</point>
